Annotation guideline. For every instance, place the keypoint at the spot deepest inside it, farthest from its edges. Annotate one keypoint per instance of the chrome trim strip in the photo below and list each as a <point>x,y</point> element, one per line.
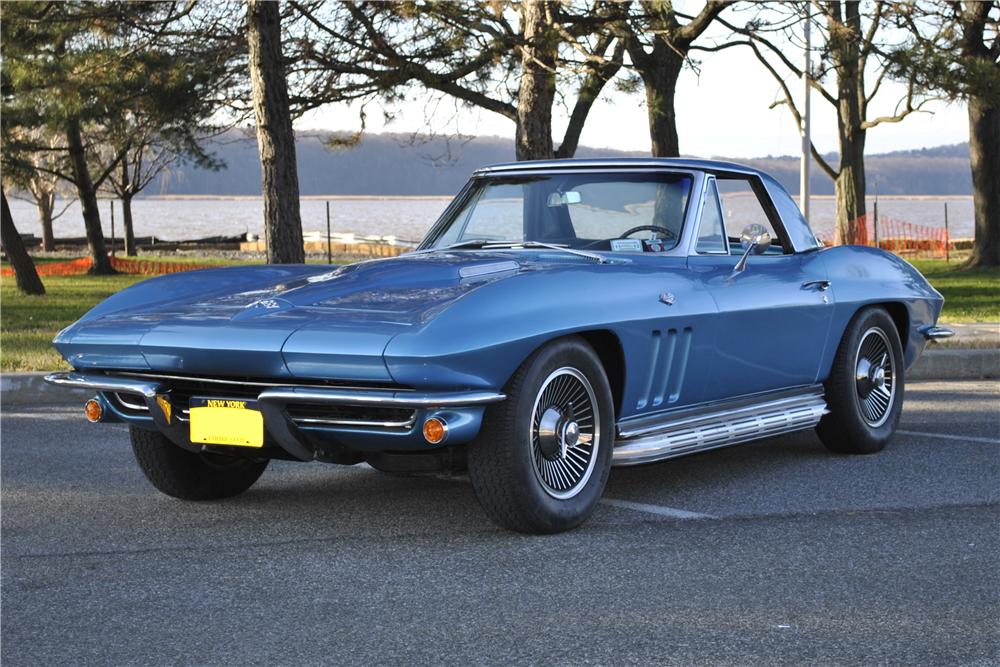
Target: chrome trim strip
<point>937,333</point>
<point>646,425</point>
<point>633,163</point>
<point>102,383</point>
<point>241,383</point>
<point>477,270</point>
<point>354,422</point>
<point>698,431</point>
<point>120,396</point>
<point>380,398</point>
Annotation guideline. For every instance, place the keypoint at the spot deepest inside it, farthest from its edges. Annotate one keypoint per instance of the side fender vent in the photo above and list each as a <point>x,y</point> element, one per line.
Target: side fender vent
<point>668,365</point>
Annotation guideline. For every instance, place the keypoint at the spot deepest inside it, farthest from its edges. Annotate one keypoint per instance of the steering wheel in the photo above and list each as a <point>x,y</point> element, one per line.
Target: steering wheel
<point>668,233</point>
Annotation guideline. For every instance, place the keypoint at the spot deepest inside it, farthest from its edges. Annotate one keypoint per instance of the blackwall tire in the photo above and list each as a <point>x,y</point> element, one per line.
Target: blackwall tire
<point>866,386</point>
<point>542,458</point>
<point>191,476</point>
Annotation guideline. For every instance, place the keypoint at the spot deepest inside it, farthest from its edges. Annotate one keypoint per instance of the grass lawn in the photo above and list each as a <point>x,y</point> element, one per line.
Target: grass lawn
<point>969,296</point>
<point>28,323</point>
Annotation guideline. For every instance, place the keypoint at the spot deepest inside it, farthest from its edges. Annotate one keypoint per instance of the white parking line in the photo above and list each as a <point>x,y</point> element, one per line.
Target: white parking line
<point>947,436</point>
<point>672,512</point>
<point>43,416</point>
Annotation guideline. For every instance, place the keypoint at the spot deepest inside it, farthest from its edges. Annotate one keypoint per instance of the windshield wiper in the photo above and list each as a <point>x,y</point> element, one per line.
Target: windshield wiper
<point>468,243</point>
<point>550,246</point>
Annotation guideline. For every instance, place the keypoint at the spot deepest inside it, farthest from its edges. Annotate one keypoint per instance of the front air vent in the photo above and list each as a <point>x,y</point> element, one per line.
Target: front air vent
<point>130,404</point>
<point>351,416</point>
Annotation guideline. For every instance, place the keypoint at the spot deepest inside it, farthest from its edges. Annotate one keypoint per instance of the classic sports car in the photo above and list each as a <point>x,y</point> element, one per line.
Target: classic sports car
<point>560,318</point>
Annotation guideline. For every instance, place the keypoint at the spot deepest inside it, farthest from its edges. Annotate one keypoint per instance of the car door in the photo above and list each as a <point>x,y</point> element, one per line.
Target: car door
<point>774,315</point>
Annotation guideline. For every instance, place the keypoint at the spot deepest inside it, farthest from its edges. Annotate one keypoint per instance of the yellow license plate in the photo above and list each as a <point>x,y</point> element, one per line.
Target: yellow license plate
<point>224,421</point>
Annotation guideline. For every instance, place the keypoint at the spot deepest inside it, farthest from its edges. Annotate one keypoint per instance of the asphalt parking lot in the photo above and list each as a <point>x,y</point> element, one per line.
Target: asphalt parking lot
<point>771,553</point>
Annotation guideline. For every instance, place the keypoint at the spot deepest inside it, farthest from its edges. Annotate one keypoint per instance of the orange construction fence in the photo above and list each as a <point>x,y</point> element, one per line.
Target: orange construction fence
<point>145,267</point>
<point>901,237</point>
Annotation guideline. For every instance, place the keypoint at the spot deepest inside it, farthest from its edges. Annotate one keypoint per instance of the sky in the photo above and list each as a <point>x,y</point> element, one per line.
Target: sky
<point>721,113</point>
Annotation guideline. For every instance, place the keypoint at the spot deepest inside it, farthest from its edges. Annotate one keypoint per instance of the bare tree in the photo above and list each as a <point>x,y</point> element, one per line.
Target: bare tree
<point>275,138</point>
<point>140,164</point>
<point>33,176</point>
<point>24,268</point>
<point>850,37</point>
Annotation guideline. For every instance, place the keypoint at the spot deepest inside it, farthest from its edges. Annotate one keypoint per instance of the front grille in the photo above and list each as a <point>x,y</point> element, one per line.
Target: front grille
<point>130,404</point>
<point>182,389</point>
<point>351,415</point>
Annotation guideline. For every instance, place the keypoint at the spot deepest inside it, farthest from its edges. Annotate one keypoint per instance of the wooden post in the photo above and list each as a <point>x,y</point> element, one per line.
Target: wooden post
<point>875,224</point>
<point>947,237</point>
<point>329,248</point>
<point>112,227</point>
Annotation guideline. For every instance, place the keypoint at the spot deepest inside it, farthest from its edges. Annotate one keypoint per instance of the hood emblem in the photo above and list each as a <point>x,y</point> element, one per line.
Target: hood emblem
<point>667,298</point>
<point>263,307</point>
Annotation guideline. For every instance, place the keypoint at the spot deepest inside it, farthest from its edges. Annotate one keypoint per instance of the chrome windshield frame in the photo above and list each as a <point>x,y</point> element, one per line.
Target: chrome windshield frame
<point>680,249</point>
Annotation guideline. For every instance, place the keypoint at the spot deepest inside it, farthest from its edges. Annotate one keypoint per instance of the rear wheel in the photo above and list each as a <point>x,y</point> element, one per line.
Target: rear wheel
<point>543,456</point>
<point>865,389</point>
<point>189,475</point>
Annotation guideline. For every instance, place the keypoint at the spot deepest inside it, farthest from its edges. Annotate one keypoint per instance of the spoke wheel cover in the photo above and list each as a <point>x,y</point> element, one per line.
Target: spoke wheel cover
<point>875,377</point>
<point>564,433</point>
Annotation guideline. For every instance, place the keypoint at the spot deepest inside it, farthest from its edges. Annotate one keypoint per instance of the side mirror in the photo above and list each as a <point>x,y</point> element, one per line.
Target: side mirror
<point>756,239</point>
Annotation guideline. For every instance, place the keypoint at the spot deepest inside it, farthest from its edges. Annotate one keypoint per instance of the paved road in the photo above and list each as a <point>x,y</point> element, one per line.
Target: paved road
<point>773,553</point>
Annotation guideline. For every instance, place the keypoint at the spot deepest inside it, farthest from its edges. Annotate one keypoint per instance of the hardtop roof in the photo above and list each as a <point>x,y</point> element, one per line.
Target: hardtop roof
<point>620,163</point>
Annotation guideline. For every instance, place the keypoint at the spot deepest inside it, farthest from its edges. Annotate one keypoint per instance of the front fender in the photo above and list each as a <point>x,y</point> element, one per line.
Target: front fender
<point>480,340</point>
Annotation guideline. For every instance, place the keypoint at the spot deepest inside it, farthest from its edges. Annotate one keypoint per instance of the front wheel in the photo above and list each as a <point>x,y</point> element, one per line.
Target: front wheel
<point>865,389</point>
<point>543,456</point>
<point>189,475</point>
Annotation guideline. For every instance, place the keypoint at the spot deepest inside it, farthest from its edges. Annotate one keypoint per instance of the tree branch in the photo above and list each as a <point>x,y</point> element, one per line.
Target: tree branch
<point>755,36</point>
<point>790,102</point>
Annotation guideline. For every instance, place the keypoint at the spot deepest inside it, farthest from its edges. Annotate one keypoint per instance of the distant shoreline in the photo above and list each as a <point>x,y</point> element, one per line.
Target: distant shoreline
<point>446,197</point>
<point>301,197</point>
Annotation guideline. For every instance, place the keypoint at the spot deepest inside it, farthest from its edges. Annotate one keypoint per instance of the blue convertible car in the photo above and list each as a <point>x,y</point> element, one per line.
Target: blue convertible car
<point>559,319</point>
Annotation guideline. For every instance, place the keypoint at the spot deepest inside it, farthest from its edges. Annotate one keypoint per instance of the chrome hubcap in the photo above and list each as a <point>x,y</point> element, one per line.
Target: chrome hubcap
<point>565,428</point>
<point>875,377</point>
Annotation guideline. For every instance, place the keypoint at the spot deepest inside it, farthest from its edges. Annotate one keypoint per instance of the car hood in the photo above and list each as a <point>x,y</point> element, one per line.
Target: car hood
<point>301,321</point>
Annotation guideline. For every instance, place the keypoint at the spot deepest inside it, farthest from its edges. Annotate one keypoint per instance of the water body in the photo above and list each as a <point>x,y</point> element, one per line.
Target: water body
<point>406,218</point>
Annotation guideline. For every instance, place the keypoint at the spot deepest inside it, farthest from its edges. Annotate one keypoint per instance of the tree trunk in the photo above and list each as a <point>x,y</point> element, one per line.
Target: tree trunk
<point>844,44</point>
<point>533,136</point>
<point>88,199</point>
<point>45,202</point>
<point>661,85</point>
<point>850,187</point>
<point>275,138</point>
<point>984,154</point>
<point>24,267</point>
<point>127,224</point>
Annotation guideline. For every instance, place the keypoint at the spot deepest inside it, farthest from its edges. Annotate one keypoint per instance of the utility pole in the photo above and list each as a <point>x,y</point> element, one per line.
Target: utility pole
<point>805,130</point>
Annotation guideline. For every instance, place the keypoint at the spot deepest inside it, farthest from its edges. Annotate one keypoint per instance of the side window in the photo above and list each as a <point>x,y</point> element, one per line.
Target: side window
<point>711,229</point>
<point>742,207</point>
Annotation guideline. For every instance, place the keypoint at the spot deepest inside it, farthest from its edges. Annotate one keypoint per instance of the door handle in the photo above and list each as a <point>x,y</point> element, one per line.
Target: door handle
<point>821,285</point>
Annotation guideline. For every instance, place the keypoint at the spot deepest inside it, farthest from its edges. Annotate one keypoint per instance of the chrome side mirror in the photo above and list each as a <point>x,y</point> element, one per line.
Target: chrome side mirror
<point>756,239</point>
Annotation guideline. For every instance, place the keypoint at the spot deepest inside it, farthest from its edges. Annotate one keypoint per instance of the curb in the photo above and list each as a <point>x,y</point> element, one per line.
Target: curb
<point>946,364</point>
<point>955,364</point>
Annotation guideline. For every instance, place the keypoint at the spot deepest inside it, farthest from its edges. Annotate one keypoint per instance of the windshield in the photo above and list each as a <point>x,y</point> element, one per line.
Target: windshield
<point>582,211</point>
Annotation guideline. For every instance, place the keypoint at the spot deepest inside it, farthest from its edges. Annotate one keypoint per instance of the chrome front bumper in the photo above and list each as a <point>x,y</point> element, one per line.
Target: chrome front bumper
<point>936,333</point>
<point>462,411</point>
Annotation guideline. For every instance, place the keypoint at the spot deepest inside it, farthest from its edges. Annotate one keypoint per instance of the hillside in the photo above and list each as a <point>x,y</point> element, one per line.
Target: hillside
<point>394,164</point>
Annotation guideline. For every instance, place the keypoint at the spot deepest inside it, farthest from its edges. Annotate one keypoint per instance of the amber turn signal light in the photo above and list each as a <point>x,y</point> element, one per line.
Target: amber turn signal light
<point>93,410</point>
<point>435,430</point>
